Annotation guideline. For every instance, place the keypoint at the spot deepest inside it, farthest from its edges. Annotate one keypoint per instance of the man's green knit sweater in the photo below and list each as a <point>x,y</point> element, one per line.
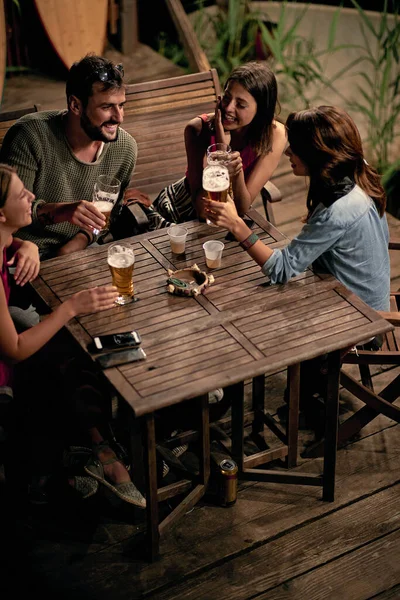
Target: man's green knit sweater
<point>37,147</point>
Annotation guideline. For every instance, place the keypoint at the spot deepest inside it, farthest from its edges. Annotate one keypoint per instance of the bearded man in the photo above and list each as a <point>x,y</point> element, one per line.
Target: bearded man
<point>59,155</point>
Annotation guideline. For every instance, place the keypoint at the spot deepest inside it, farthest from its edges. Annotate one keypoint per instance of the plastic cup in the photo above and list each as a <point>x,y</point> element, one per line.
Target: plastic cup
<point>177,238</point>
<point>213,252</point>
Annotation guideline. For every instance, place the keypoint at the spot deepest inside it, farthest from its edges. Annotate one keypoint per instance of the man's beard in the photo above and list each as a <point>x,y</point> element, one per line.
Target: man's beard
<point>95,133</point>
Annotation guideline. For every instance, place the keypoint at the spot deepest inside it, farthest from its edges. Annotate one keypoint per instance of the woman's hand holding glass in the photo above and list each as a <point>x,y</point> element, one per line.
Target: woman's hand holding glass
<point>234,164</point>
<point>222,214</point>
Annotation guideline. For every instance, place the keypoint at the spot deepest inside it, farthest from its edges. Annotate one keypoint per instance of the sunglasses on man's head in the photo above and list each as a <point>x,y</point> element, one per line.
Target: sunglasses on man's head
<point>107,74</point>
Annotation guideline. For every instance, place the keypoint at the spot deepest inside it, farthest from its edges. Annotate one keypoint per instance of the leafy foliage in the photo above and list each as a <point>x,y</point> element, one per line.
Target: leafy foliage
<point>240,34</point>
<point>379,91</point>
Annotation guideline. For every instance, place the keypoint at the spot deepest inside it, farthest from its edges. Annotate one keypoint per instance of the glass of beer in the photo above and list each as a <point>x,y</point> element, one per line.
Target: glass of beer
<point>218,154</point>
<point>105,195</point>
<point>121,260</point>
<point>216,183</point>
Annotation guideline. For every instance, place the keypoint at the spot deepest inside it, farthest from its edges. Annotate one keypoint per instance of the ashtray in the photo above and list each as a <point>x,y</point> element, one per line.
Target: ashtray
<point>188,282</point>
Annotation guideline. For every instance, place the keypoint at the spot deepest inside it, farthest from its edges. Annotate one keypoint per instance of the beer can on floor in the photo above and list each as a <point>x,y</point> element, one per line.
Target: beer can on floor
<point>228,482</point>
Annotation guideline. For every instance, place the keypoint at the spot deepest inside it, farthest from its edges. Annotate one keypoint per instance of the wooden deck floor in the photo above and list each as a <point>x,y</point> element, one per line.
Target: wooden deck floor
<point>276,542</point>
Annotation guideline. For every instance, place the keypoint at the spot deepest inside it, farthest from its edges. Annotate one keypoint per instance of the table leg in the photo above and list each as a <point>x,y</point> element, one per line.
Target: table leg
<point>292,425</point>
<point>331,426</point>
<point>152,533</point>
<point>237,392</point>
<point>205,440</point>
<point>258,404</point>
<point>137,461</point>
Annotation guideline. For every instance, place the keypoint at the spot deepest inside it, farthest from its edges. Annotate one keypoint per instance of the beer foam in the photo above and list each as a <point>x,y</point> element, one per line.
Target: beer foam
<point>121,260</point>
<point>215,179</point>
<point>103,205</point>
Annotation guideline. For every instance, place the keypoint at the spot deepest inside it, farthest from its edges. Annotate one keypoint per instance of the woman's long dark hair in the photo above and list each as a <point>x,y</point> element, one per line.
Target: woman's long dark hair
<point>327,140</point>
<point>258,79</point>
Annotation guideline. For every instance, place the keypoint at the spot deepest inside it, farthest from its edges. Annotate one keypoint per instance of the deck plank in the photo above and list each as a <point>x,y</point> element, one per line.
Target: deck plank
<point>211,536</point>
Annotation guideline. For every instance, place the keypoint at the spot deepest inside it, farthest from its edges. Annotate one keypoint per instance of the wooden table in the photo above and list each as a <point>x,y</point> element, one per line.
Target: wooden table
<point>241,328</point>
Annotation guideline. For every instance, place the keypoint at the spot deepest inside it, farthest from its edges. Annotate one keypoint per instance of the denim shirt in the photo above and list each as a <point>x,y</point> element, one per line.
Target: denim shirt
<point>347,239</point>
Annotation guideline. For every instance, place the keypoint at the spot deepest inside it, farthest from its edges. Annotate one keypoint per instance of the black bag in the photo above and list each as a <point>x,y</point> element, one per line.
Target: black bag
<point>128,221</point>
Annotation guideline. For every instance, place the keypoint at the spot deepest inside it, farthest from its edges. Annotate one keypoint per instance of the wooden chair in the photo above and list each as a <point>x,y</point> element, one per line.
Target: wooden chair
<point>9,118</point>
<point>375,402</point>
<point>156,113</point>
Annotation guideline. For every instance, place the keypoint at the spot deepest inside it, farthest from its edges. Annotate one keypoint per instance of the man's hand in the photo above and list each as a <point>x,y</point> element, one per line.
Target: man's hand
<point>133,196</point>
<point>26,261</point>
<point>84,214</point>
<point>78,242</point>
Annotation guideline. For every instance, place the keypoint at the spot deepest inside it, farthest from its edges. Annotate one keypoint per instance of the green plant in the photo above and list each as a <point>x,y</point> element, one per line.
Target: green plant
<point>174,52</point>
<point>379,92</point>
<point>297,63</point>
<point>230,37</point>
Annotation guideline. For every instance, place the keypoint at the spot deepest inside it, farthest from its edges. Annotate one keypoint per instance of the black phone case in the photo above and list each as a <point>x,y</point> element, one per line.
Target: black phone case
<point>114,359</point>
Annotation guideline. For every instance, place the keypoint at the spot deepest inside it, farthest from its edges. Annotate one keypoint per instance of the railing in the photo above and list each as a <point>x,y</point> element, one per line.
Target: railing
<point>198,61</point>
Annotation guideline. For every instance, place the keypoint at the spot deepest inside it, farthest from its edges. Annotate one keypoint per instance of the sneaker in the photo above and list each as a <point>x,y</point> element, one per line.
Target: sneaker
<point>215,396</point>
<point>177,452</point>
<point>165,469</point>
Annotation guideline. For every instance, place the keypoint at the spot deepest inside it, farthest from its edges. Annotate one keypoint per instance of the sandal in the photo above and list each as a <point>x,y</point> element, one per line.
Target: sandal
<point>85,486</point>
<point>126,491</point>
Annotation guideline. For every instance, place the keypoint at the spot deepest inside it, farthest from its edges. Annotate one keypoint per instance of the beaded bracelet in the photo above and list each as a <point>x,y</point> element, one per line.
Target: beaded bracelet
<point>250,241</point>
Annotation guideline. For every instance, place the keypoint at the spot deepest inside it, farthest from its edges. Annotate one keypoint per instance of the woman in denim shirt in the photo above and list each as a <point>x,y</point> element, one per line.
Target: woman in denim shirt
<point>345,231</point>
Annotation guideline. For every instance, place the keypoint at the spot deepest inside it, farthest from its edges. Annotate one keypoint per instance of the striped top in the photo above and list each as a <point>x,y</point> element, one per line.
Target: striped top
<point>37,147</point>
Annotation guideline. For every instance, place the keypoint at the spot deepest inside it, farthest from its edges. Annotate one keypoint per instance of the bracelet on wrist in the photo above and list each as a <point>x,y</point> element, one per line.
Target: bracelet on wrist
<point>249,241</point>
<point>86,234</point>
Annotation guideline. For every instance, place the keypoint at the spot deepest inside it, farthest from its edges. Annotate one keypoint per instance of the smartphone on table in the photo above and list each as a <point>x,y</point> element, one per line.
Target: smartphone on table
<point>115,341</point>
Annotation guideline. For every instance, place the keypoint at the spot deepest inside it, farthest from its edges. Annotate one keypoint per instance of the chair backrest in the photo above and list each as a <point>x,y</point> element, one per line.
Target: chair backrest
<point>8,118</point>
<point>156,113</point>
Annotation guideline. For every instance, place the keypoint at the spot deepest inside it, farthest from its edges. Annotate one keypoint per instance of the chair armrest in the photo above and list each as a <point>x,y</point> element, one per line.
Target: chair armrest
<point>271,193</point>
<point>392,317</point>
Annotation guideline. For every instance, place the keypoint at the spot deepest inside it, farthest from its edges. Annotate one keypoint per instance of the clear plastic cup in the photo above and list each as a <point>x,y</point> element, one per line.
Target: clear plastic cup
<point>213,252</point>
<point>177,238</point>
